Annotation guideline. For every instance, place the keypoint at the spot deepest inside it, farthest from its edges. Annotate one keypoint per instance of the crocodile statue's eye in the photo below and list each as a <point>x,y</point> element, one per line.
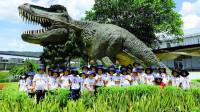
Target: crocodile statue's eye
<point>57,8</point>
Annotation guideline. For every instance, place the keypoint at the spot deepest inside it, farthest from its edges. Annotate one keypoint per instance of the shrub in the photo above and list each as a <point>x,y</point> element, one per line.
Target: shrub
<point>115,99</point>
<point>27,66</point>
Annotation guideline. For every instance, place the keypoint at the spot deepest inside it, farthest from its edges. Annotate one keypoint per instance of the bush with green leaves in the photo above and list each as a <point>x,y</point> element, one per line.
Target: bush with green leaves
<point>116,99</point>
<point>27,66</point>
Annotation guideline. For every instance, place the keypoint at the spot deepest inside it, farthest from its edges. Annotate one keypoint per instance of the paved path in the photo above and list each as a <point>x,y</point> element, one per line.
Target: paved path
<point>194,75</point>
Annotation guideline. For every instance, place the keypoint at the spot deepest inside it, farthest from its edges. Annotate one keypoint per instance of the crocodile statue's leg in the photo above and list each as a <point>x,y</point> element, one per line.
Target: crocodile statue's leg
<point>106,61</point>
<point>125,58</point>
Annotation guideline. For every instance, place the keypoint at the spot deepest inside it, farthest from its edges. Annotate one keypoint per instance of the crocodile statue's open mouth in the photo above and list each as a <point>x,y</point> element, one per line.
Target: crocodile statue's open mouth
<point>50,20</point>
<point>44,22</point>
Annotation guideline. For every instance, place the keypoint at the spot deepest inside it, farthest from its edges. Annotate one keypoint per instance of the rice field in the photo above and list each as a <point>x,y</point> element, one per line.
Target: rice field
<point>140,98</point>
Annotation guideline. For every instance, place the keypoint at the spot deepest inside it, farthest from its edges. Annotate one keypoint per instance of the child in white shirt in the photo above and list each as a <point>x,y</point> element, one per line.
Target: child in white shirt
<point>75,82</point>
<point>90,82</point>
<point>118,78</point>
<point>141,75</point>
<point>100,77</point>
<point>40,83</point>
<point>83,77</point>
<point>175,78</point>
<point>53,82</point>
<point>184,79</point>
<point>22,83</point>
<point>163,75</point>
<point>134,77</point>
<point>149,76</point>
<point>65,79</point>
<point>126,77</point>
<point>85,69</point>
<point>29,85</point>
<point>109,80</point>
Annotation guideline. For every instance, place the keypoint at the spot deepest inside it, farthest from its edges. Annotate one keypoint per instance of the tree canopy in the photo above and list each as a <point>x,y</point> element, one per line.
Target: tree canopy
<point>143,18</point>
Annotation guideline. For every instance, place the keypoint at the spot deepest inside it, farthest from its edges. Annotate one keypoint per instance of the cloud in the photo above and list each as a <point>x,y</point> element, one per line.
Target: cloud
<point>76,8</point>
<point>15,44</point>
<point>191,16</point>
<point>11,24</point>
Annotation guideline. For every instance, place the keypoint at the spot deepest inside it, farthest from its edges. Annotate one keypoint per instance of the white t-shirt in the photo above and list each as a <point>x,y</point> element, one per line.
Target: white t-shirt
<point>118,80</point>
<point>90,83</point>
<point>41,82</point>
<point>142,78</point>
<point>135,80</point>
<point>53,83</point>
<point>65,82</point>
<point>22,85</point>
<point>165,78</point>
<point>82,84</point>
<point>110,80</point>
<point>149,79</point>
<point>185,82</point>
<point>29,83</point>
<point>125,80</point>
<point>100,79</point>
<point>175,81</point>
<point>75,82</point>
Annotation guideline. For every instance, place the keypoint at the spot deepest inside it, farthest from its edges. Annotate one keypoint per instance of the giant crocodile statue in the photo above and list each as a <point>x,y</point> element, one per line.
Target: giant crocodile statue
<point>102,40</point>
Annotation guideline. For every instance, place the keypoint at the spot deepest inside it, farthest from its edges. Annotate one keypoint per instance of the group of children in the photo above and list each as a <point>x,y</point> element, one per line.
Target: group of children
<point>93,77</point>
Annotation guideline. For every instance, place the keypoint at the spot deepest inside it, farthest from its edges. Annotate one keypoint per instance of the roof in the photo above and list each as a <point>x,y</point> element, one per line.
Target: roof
<point>22,54</point>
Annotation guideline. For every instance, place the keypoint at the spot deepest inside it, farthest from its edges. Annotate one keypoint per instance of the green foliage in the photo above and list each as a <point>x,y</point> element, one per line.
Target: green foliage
<point>196,80</point>
<point>4,75</point>
<point>143,18</point>
<point>116,99</point>
<point>27,66</point>
<point>61,54</point>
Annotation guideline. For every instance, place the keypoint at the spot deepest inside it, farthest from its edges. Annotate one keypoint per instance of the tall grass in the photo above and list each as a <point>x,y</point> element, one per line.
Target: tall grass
<point>140,98</point>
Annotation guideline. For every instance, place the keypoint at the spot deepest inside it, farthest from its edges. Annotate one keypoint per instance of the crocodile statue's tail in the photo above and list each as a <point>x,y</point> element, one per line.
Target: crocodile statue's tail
<point>142,53</point>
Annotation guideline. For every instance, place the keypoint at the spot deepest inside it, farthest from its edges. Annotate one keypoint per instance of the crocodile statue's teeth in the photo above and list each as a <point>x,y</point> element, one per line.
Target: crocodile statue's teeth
<point>29,18</point>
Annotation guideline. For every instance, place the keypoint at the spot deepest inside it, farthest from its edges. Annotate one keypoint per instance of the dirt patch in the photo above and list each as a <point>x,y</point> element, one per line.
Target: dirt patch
<point>2,86</point>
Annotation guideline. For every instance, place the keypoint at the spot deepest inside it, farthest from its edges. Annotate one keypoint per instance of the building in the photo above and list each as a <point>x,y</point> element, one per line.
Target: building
<point>186,53</point>
<point>8,60</point>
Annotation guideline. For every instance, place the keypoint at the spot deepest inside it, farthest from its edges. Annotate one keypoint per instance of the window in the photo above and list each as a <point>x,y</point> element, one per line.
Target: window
<point>168,45</point>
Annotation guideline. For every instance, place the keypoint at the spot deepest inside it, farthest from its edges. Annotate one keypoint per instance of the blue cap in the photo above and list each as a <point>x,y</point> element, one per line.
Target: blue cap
<point>55,71</point>
<point>99,66</point>
<point>60,70</point>
<point>134,70</point>
<point>67,69</point>
<point>74,69</point>
<point>124,69</point>
<point>112,66</point>
<point>112,69</point>
<point>91,72</point>
<point>50,69</point>
<point>41,67</point>
<point>105,68</point>
<point>118,71</point>
<point>140,67</point>
<point>31,73</point>
<point>162,67</point>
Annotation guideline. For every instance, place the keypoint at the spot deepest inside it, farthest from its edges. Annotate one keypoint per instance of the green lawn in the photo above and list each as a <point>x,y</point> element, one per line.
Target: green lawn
<point>4,75</point>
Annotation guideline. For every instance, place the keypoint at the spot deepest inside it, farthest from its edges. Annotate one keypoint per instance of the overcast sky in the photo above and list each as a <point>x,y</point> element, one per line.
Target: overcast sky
<point>11,25</point>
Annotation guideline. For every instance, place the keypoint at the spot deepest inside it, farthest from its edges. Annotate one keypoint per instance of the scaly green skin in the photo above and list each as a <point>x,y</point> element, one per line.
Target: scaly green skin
<point>101,39</point>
